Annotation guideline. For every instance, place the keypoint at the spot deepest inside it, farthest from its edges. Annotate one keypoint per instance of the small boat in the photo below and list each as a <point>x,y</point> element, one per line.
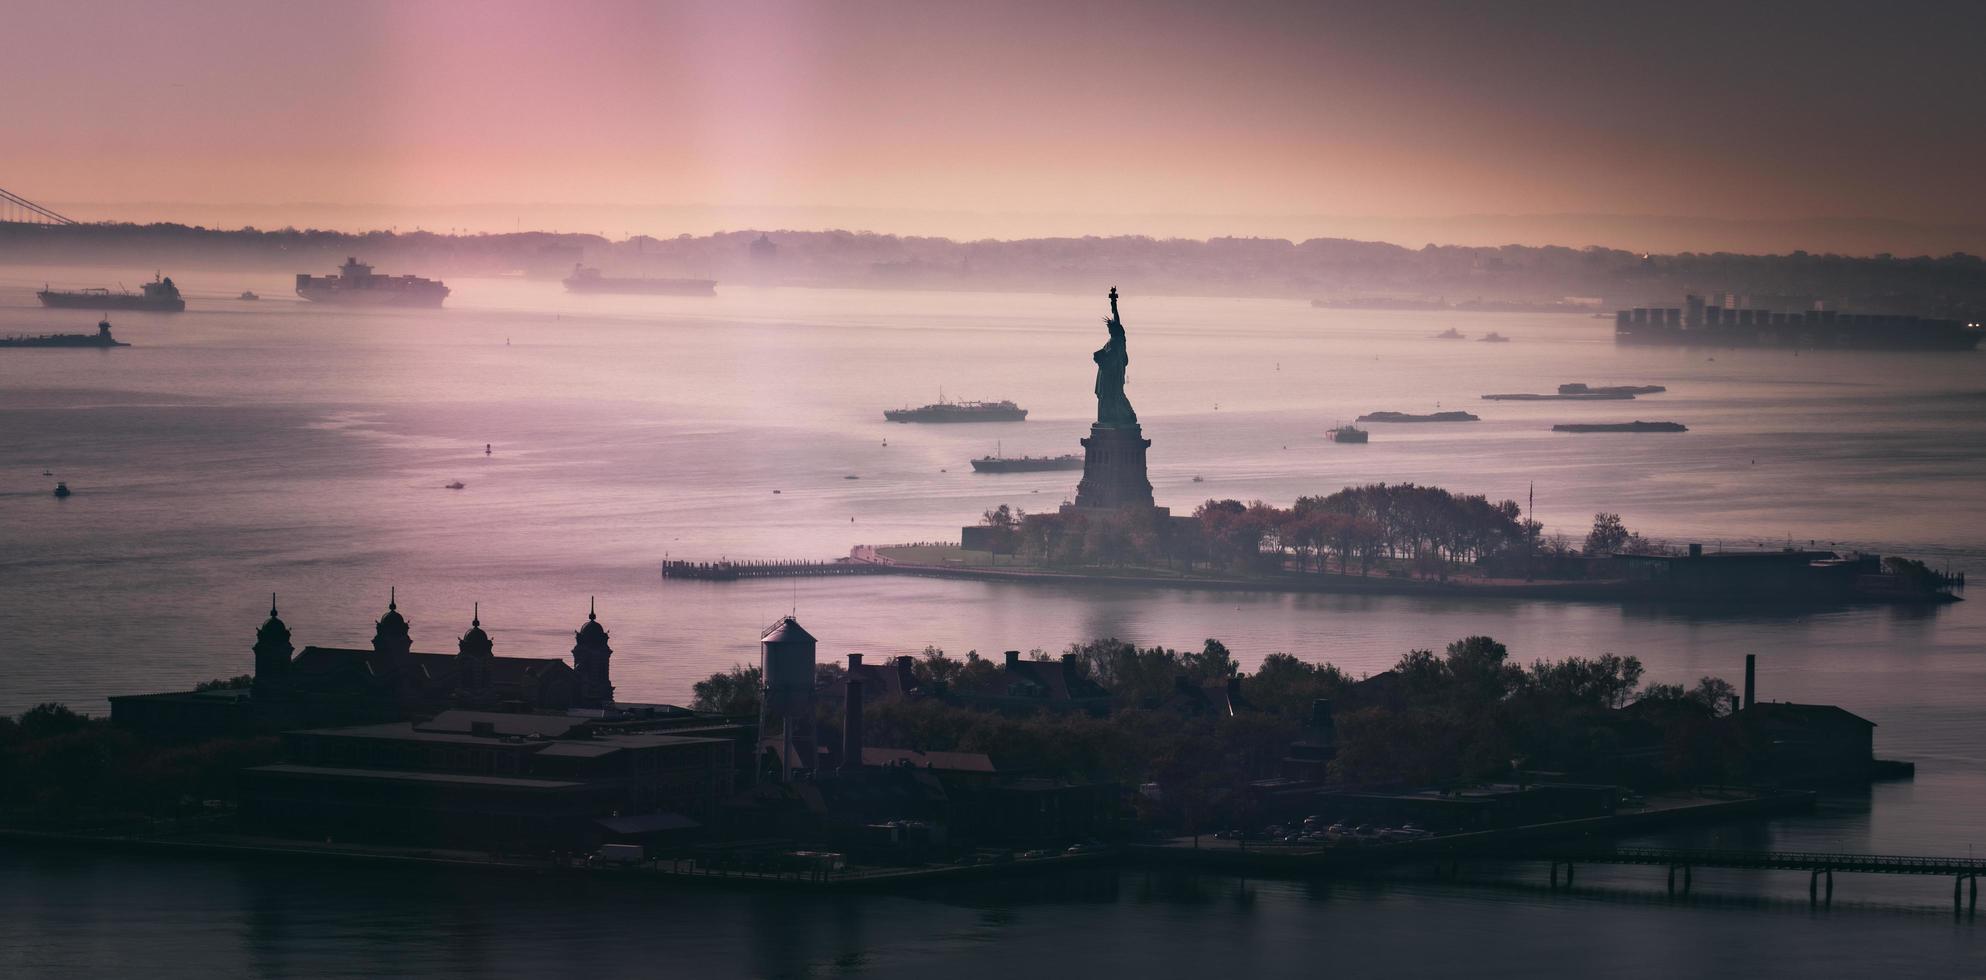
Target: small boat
<point>47,473</point>
<point>1348,433</point>
<point>62,490</point>
<point>775,491</point>
<point>486,449</point>
<point>1450,334</point>
<point>248,294</point>
<point>851,476</point>
<point>454,485</point>
<point>1495,338</point>
<point>1197,478</point>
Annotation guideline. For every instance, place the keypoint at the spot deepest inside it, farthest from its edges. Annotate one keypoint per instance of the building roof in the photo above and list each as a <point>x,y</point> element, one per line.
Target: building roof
<point>787,630</point>
<point>893,678</point>
<point>1058,679</point>
<point>1803,714</point>
<point>946,761</point>
<point>648,823</point>
<point>1738,557</point>
<point>410,776</point>
<point>502,723</point>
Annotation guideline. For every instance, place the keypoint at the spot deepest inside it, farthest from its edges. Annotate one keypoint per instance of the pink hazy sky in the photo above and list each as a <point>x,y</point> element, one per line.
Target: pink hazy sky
<point>1108,108</point>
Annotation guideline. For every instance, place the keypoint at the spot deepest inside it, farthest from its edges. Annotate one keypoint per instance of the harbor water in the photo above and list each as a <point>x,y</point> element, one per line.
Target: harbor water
<point>243,448</point>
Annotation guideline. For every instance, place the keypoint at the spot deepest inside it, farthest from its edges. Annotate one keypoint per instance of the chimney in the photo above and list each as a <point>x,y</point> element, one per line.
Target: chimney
<point>1320,714</point>
<point>1069,660</point>
<point>1013,659</point>
<point>1751,679</point>
<point>1737,704</point>
<point>854,661</point>
<point>851,728</point>
<point>1695,550</point>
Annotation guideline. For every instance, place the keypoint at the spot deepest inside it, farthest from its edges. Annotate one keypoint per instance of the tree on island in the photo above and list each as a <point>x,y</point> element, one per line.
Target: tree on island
<point>1607,536</point>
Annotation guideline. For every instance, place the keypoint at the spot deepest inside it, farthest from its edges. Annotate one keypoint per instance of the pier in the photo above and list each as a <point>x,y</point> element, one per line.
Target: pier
<point>732,571</point>
<point>1818,865</point>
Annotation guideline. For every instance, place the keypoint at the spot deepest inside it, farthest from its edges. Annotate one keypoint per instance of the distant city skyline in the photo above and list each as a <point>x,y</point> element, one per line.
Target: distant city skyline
<point>1660,127</point>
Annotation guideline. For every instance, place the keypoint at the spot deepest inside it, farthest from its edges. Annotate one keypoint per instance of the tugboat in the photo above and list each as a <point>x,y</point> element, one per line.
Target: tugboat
<point>157,296</point>
<point>1450,334</point>
<point>453,485</point>
<point>356,285</point>
<point>62,490</point>
<point>589,280</point>
<point>1495,338</point>
<point>100,339</point>
<point>944,411</point>
<point>1348,433</point>
<point>248,294</point>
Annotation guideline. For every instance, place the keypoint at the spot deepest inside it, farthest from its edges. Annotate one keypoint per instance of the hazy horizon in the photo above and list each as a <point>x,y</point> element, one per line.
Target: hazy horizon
<point>1855,236</point>
<point>1684,127</point>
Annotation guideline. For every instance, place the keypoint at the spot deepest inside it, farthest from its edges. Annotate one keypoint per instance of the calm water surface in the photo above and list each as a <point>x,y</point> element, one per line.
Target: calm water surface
<point>243,448</point>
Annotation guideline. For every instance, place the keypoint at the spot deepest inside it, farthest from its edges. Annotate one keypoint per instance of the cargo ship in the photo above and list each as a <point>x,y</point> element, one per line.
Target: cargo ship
<point>157,296</point>
<point>1431,417</point>
<point>356,285</point>
<point>1697,324</point>
<point>1563,396</point>
<point>101,338</point>
<point>589,280</point>
<point>1026,464</point>
<point>1577,388</point>
<point>1620,427</point>
<point>1348,433</point>
<point>944,411</point>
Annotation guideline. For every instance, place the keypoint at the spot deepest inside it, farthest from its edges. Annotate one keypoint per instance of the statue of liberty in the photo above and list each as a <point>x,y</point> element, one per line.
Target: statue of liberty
<point>1112,408</point>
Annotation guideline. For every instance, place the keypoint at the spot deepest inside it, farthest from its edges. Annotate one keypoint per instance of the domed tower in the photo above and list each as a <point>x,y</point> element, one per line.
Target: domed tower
<point>786,694</point>
<point>389,633</point>
<point>272,651</point>
<point>590,656</point>
<point>473,654</point>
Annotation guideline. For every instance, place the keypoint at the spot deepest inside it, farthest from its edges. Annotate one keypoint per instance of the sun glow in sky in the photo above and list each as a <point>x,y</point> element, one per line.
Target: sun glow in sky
<point>1040,112</point>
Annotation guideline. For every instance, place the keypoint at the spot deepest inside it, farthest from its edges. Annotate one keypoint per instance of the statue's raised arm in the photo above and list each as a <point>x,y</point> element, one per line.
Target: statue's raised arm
<point>1112,408</point>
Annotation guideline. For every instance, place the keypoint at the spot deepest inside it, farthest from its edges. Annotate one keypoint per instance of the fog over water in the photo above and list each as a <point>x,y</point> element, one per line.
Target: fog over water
<point>248,447</point>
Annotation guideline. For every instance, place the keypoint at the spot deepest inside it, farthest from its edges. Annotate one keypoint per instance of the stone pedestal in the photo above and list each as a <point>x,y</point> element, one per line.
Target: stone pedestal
<point>1114,469</point>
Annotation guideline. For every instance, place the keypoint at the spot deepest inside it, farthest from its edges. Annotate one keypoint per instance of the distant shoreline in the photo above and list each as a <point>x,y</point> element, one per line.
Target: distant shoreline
<point>871,560</point>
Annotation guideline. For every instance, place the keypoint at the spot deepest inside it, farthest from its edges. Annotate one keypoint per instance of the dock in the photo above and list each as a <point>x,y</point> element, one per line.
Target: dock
<point>1818,865</point>
<point>731,571</point>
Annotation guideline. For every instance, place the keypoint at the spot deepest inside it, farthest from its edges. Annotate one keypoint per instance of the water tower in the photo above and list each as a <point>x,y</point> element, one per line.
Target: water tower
<point>786,695</point>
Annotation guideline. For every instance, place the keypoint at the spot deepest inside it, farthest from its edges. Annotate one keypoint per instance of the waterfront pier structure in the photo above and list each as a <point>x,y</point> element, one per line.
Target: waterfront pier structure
<point>1819,866</point>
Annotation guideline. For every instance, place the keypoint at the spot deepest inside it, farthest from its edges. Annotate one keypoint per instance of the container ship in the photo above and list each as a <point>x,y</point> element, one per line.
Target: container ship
<point>157,296</point>
<point>1026,464</point>
<point>589,280</point>
<point>101,338</point>
<point>944,411</point>
<point>356,285</point>
<point>1697,324</point>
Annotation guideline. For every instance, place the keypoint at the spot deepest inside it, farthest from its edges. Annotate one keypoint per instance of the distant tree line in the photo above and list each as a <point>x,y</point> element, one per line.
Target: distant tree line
<point>1466,715</point>
<point>67,770</point>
